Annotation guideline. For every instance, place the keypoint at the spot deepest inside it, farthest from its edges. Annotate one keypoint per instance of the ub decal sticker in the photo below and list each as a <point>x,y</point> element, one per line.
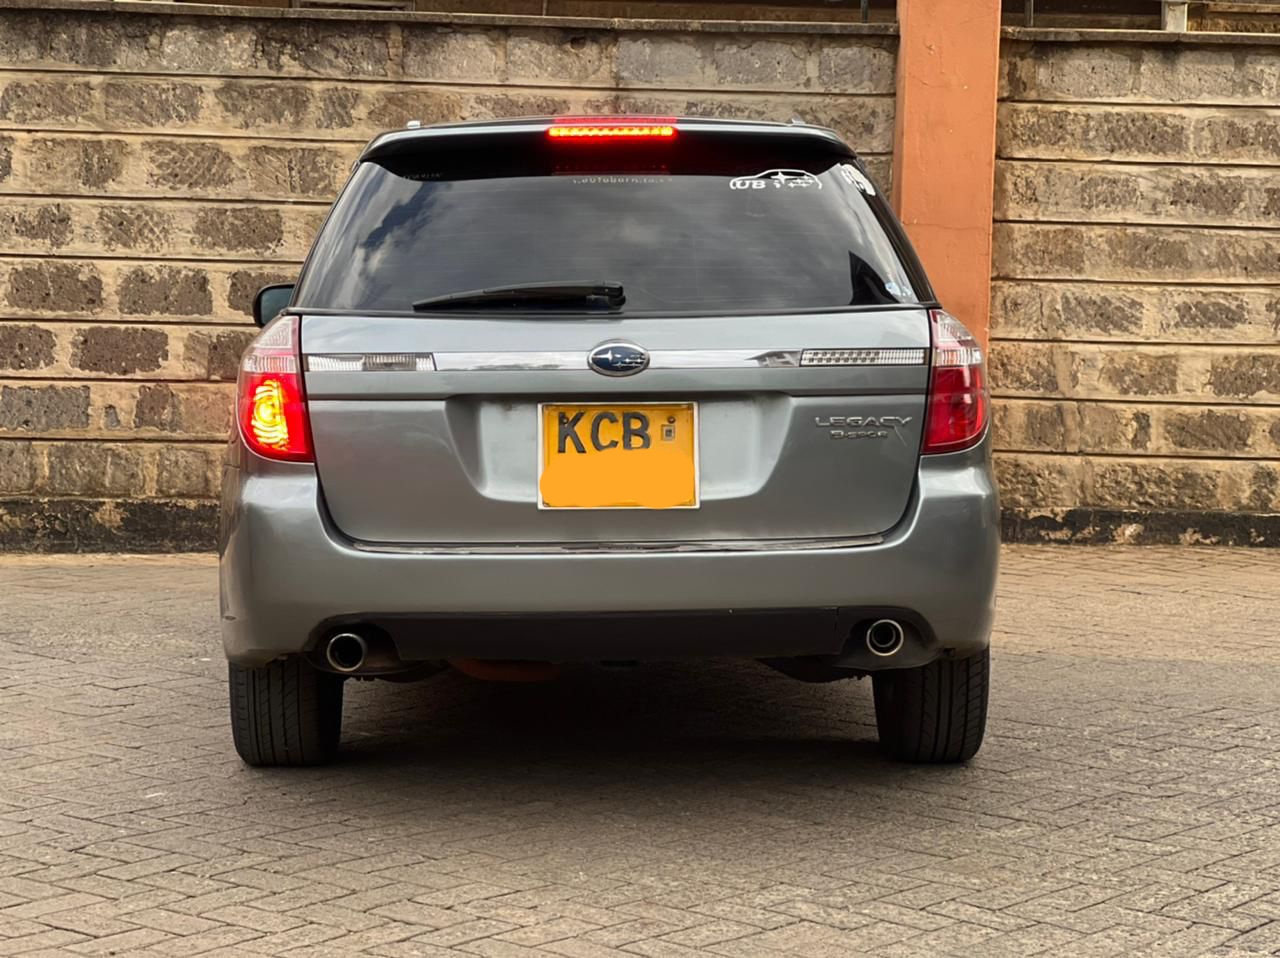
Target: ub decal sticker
<point>777,180</point>
<point>855,177</point>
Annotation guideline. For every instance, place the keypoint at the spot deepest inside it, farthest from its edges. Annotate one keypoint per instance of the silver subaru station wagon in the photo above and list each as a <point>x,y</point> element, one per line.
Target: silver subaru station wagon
<point>609,389</point>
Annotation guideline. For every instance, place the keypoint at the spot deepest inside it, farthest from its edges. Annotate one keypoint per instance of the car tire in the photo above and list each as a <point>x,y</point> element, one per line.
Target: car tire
<point>934,713</point>
<point>285,713</point>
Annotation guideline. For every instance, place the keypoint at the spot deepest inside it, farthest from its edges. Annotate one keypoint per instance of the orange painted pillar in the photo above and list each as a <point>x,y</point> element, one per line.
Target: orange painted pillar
<point>944,146</point>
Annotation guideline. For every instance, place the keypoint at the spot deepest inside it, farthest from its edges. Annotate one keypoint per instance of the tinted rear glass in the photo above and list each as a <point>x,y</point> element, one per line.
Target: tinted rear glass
<point>708,223</point>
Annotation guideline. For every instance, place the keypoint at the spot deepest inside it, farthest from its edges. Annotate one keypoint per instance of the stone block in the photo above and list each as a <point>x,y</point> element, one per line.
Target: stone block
<point>217,355</point>
<point>89,227</point>
<point>179,410</point>
<point>186,472</point>
<point>1201,313</point>
<point>19,467</point>
<point>1049,71</point>
<point>560,57</point>
<point>1035,426</point>
<point>164,290</point>
<point>1087,311</point>
<point>390,107</point>
<point>96,469</point>
<point>119,350</point>
<point>656,59</point>
<point>62,524</point>
<point>1238,136</point>
<point>323,48</point>
<point>186,165</point>
<point>1155,484</point>
<point>243,286</point>
<point>252,106</point>
<point>52,286</point>
<point>856,65</point>
<point>1132,373</point>
<point>204,410</point>
<point>1095,193</point>
<point>1136,429</point>
<point>1025,251</point>
<point>100,41</point>
<point>36,226</point>
<point>300,171</point>
<point>1101,371</point>
<point>1110,428</point>
<point>157,407</point>
<point>1135,253</point>
<point>1087,132</point>
<point>760,63</point>
<point>1154,73</point>
<point>156,104</point>
<point>122,289</point>
<point>226,229</point>
<point>1247,374</point>
<point>1200,430</point>
<point>1038,481</point>
<point>39,102</point>
<point>42,409</point>
<point>25,346</point>
<point>71,164</point>
<point>1025,368</point>
<point>145,227</point>
<point>452,56</point>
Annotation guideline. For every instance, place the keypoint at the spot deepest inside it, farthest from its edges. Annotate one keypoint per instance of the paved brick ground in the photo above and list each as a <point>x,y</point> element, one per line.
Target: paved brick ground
<point>1127,801</point>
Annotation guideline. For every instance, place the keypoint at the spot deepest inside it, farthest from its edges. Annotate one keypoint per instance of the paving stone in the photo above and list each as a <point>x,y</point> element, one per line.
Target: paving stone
<point>1124,802</point>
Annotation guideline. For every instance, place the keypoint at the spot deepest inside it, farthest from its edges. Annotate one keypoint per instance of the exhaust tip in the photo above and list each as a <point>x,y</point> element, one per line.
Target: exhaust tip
<point>346,651</point>
<point>885,637</point>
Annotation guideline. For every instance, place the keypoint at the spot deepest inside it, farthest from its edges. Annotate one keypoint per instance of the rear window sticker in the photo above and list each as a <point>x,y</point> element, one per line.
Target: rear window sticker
<point>855,177</point>
<point>776,179</point>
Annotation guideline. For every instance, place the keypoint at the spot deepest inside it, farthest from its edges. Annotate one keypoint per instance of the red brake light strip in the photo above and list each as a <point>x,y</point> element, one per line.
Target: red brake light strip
<point>607,131</point>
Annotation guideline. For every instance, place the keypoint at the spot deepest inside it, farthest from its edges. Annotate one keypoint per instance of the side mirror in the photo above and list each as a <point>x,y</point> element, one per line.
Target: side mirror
<point>270,301</point>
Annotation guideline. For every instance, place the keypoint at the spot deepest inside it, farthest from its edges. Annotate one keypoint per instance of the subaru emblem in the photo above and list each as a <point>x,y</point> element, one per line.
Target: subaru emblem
<point>617,359</point>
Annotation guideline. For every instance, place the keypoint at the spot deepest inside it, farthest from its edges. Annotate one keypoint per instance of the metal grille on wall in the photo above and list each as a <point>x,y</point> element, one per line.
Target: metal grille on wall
<point>1205,15</point>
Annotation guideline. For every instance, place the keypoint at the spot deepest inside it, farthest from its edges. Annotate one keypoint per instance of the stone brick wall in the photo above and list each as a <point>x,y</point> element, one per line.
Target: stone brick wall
<point>158,164</point>
<point>1136,313</point>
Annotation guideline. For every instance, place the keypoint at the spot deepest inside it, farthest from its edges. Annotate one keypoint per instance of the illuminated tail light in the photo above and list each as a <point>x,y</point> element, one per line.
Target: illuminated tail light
<point>621,128</point>
<point>270,402</point>
<point>957,405</point>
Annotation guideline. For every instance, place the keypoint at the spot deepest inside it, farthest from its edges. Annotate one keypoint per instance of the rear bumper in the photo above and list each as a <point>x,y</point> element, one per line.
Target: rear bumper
<point>288,577</point>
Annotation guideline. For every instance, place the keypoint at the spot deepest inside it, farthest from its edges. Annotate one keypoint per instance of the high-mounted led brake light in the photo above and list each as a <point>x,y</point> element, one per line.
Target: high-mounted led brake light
<point>622,128</point>
<point>271,406</point>
<point>956,416</point>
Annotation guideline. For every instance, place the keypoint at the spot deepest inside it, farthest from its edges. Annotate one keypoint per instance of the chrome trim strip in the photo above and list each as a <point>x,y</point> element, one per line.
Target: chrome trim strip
<point>482,361</point>
<point>622,548</point>
<point>571,360</point>
<point>721,358</point>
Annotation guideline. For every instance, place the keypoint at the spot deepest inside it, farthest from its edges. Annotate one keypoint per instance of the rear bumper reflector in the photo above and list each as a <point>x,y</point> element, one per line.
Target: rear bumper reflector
<point>370,363</point>
<point>863,357</point>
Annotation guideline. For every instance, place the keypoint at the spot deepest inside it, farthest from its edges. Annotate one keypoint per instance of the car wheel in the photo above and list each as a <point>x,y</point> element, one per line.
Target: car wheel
<point>285,713</point>
<point>934,713</point>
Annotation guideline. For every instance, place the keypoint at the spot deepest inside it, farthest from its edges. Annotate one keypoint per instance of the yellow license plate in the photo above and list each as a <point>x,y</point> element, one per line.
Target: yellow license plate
<point>618,456</point>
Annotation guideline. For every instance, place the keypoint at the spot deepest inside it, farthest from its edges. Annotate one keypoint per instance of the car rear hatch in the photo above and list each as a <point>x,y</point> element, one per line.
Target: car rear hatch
<point>764,380</point>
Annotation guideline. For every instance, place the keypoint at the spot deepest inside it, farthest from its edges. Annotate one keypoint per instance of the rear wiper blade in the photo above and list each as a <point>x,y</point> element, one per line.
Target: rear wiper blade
<point>550,294</point>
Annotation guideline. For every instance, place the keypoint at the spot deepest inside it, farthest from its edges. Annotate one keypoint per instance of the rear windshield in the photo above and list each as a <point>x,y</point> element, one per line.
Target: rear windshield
<point>692,225</point>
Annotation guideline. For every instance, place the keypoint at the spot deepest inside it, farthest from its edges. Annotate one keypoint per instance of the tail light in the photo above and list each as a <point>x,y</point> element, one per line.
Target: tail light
<point>270,402</point>
<point>957,405</point>
<point>612,128</point>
